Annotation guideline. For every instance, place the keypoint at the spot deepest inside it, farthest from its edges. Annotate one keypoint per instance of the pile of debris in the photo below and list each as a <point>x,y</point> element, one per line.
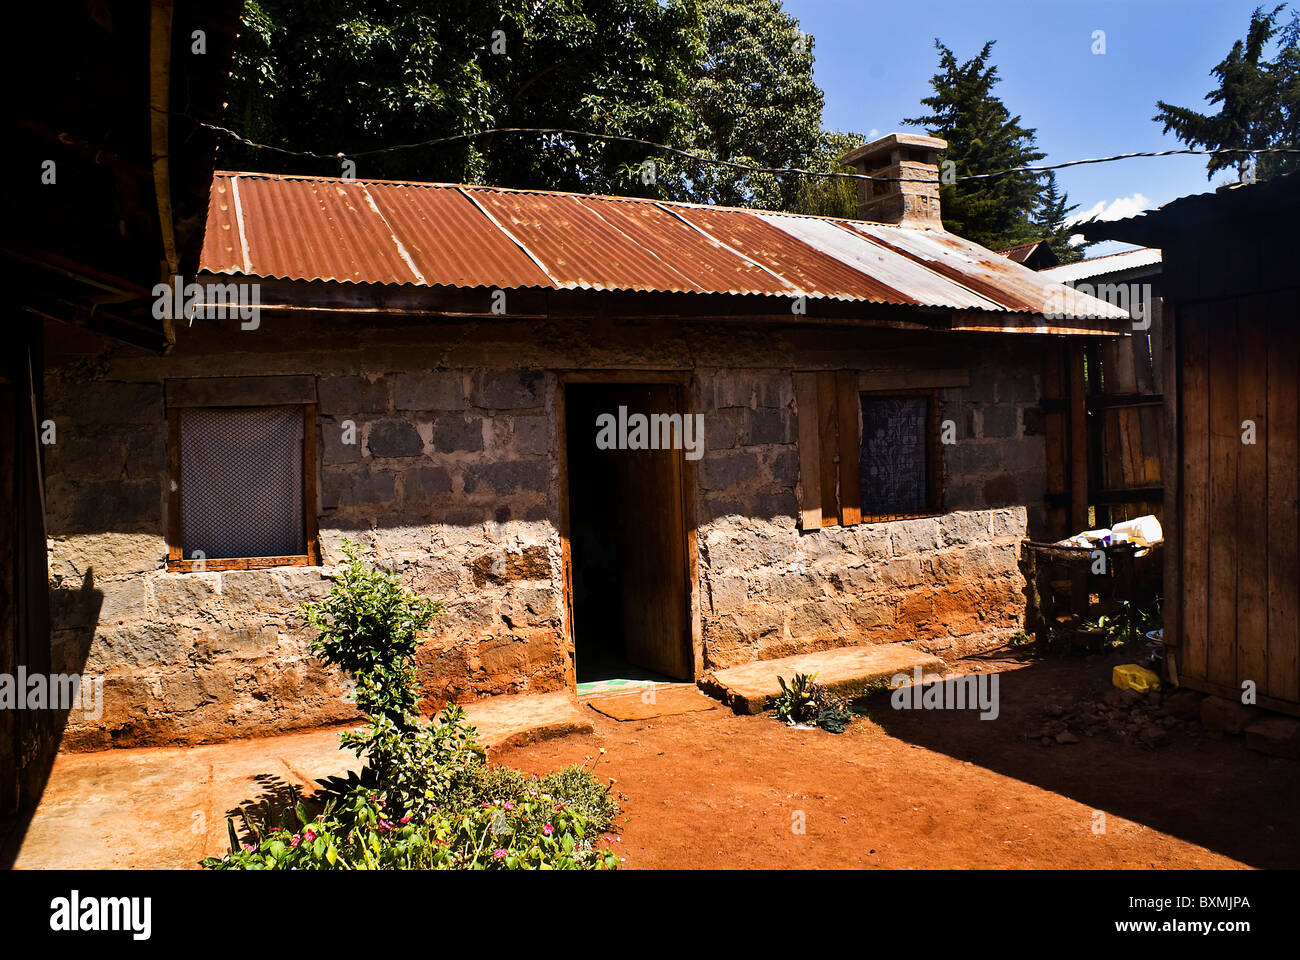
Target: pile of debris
<point>1143,532</point>
<point>1126,716</point>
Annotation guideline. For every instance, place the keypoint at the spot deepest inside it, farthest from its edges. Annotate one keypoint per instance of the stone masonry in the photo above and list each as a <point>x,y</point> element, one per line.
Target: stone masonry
<point>452,481</point>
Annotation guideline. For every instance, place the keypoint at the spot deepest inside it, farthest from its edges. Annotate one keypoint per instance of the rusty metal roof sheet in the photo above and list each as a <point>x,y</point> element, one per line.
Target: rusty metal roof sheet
<point>391,232</point>
<point>884,263</point>
<point>1014,287</point>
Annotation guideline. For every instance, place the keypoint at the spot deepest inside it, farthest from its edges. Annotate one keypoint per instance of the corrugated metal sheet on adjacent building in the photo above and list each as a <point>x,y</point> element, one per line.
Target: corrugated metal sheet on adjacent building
<point>390,232</point>
<point>1139,259</point>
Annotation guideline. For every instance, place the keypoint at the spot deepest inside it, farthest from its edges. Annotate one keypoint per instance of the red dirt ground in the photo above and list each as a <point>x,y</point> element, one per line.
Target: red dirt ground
<point>935,789</point>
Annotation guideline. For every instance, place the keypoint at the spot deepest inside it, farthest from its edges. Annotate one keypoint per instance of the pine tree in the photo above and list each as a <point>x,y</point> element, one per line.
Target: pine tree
<point>1054,208</point>
<point>1259,102</point>
<point>983,137</point>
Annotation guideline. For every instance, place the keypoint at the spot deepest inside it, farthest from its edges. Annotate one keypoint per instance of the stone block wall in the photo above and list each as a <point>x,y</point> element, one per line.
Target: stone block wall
<point>949,582</point>
<point>451,479</point>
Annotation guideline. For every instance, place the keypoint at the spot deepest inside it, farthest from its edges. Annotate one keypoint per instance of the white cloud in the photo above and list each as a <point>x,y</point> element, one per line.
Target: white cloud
<point>1117,209</point>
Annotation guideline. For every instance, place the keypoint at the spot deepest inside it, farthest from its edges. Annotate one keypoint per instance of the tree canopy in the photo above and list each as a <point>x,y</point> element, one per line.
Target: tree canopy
<point>753,100</point>
<point>983,137</point>
<point>349,76</point>
<point>725,79</point>
<point>1051,222</point>
<point>1259,101</point>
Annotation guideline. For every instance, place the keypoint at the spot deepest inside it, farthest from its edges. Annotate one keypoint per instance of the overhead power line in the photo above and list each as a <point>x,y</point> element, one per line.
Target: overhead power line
<point>733,164</point>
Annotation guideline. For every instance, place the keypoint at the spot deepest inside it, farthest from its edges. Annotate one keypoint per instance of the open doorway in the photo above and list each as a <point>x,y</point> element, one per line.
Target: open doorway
<point>627,540</point>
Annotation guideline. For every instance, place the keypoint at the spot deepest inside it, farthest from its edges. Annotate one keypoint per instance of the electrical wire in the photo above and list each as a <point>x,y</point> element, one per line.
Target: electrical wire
<point>732,164</point>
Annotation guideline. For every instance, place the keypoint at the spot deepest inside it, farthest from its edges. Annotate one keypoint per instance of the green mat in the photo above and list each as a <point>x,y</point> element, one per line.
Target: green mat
<point>610,686</point>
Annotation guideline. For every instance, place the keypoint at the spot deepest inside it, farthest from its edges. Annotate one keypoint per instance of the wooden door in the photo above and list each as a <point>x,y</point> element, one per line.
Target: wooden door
<point>652,545</point>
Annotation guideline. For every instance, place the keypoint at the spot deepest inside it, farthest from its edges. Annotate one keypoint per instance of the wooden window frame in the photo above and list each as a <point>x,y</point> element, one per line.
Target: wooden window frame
<point>829,440</point>
<point>933,455</point>
<point>241,392</point>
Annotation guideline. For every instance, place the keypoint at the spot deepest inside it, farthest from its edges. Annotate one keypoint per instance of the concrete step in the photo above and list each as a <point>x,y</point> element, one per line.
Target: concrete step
<point>107,810</point>
<point>844,670</point>
<point>526,717</point>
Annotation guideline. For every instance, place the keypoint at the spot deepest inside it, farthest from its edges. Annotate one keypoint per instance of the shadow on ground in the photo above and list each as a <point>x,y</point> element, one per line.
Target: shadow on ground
<point>1207,789</point>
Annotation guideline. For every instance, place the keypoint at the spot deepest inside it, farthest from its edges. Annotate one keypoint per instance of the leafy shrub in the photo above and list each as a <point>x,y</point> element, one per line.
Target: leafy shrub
<point>426,798</point>
<point>430,766</point>
<point>1127,624</point>
<point>804,701</point>
<point>578,790</point>
<point>536,833</point>
<point>369,626</point>
<point>574,787</point>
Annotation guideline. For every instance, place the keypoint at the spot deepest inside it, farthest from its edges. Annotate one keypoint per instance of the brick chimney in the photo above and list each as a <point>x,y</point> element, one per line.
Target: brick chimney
<point>907,156</point>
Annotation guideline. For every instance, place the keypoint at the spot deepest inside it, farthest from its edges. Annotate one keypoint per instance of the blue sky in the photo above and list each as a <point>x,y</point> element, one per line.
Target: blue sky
<point>874,61</point>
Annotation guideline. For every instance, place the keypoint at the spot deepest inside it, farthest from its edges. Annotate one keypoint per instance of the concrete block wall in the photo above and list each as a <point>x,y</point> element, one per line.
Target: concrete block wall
<point>949,582</point>
<point>452,481</point>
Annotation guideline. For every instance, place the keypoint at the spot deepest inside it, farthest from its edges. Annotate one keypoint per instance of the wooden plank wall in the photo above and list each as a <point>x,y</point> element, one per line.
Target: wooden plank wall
<point>1239,523</point>
<point>1123,382</point>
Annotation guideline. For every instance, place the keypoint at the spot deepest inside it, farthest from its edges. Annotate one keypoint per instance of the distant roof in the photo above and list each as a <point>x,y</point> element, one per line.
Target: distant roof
<point>1020,251</point>
<point>1276,200</point>
<point>433,234</point>
<point>1036,254</point>
<point>1103,266</point>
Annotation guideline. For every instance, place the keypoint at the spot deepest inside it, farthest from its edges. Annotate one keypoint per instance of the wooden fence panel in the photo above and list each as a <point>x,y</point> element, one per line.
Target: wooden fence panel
<point>1252,533</point>
<point>1196,486</point>
<point>1126,424</point>
<point>1225,442</point>
<point>1283,512</point>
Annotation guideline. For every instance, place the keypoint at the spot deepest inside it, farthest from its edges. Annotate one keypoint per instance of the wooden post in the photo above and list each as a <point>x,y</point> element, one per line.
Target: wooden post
<point>1078,441</point>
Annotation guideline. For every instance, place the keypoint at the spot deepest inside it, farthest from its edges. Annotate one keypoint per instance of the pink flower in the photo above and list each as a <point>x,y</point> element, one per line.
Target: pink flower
<point>548,829</point>
<point>406,819</point>
<point>249,847</point>
<point>294,842</point>
<point>509,805</point>
<point>499,854</point>
<point>310,834</point>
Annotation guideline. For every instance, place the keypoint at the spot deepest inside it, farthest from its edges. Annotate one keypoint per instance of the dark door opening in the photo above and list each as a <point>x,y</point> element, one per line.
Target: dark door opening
<point>627,541</point>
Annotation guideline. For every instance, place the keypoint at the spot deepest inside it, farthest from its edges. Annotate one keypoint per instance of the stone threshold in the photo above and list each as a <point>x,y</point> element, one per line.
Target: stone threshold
<point>844,670</point>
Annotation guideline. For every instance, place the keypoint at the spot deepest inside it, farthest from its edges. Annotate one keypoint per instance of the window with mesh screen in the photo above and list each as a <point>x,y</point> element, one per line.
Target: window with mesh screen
<point>242,482</point>
<point>893,460</point>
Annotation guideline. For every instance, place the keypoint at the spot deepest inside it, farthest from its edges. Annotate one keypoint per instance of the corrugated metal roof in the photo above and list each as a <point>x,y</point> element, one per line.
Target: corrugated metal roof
<point>391,232</point>
<point>1014,287</point>
<point>1102,266</point>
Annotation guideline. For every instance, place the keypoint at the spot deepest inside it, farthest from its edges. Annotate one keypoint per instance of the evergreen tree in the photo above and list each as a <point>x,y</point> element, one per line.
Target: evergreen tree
<point>1054,208</point>
<point>1259,102</point>
<point>983,137</point>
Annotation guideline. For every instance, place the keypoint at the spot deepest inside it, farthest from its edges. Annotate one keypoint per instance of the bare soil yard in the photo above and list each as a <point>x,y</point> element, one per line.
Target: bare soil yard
<point>914,789</point>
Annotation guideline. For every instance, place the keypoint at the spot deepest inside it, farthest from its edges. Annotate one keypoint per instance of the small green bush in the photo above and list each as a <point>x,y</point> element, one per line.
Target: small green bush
<point>574,787</point>
<point>579,790</point>
<point>535,833</point>
<point>426,798</point>
<point>804,701</point>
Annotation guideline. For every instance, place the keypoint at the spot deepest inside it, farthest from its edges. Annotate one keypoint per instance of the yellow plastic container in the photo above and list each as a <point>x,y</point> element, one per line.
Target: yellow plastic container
<point>1129,676</point>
